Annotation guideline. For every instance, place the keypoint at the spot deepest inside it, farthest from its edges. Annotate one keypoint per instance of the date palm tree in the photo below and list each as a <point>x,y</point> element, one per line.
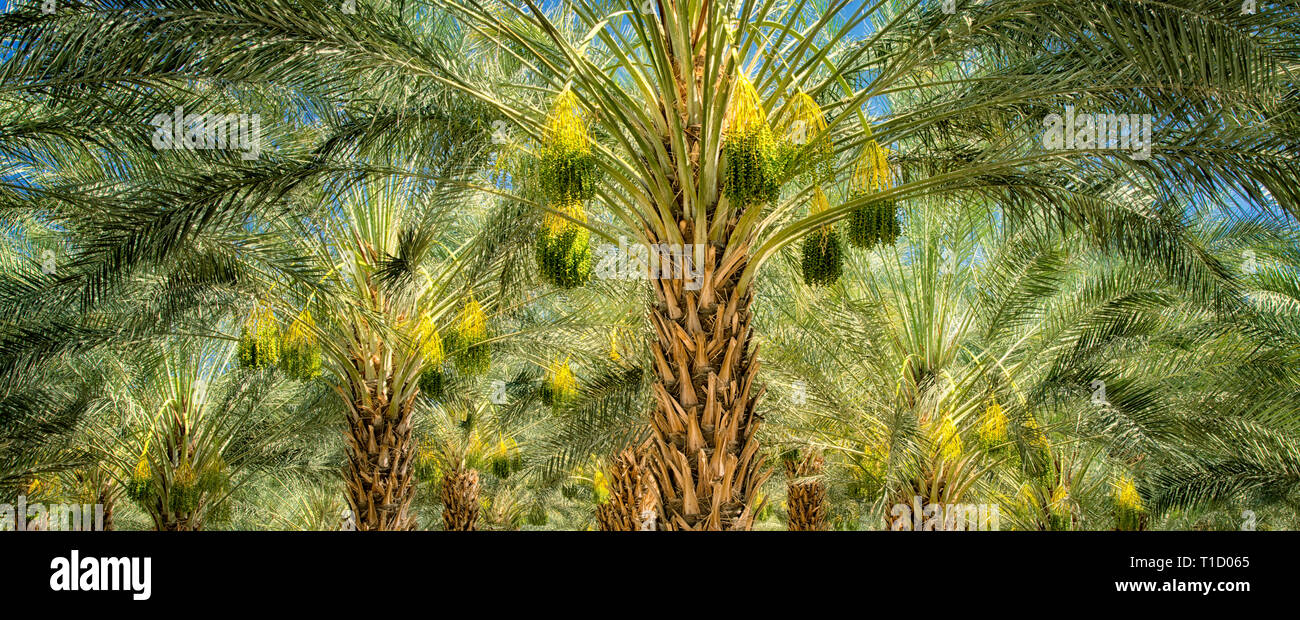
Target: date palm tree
<point>332,241</point>
<point>805,494</point>
<point>714,125</point>
<point>173,432</point>
<point>737,128</point>
<point>1082,390</point>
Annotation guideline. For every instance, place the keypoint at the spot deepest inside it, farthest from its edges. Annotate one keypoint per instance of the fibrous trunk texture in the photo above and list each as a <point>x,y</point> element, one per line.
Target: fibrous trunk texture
<point>805,495</point>
<point>459,495</point>
<point>633,497</point>
<point>180,525</point>
<point>705,454</point>
<point>107,499</point>
<point>379,478</point>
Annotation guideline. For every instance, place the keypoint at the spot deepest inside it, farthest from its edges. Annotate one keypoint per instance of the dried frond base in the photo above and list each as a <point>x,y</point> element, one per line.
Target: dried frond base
<point>805,495</point>
<point>459,494</point>
<point>705,451</point>
<point>379,478</point>
<point>633,497</point>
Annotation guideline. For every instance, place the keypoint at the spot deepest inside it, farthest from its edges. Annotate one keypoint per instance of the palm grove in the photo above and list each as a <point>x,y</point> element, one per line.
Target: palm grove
<point>878,286</point>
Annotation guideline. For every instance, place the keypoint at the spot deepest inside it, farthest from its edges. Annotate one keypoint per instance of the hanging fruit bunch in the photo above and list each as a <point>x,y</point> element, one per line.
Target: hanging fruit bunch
<point>183,496</point>
<point>300,354</point>
<point>1130,515</point>
<point>587,482</point>
<point>431,351</point>
<point>140,488</point>
<point>473,355</point>
<point>564,247</point>
<point>566,165</point>
<point>806,143</point>
<point>559,386</point>
<point>214,483</point>
<point>215,477</point>
<point>259,340</point>
<point>752,159</point>
<point>993,428</point>
<point>947,440</point>
<point>822,255</point>
<point>506,459</point>
<point>807,148</point>
<point>566,178</point>
<point>876,221</point>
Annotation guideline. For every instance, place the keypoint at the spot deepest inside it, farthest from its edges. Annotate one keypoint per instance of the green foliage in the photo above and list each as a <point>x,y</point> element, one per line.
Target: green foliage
<point>537,515</point>
<point>559,386</point>
<point>471,351</point>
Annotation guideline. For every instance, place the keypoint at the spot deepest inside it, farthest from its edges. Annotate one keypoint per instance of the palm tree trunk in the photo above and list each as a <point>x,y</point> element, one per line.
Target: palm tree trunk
<point>164,520</point>
<point>380,480</point>
<point>633,498</point>
<point>459,495</point>
<point>107,499</point>
<point>705,455</point>
<point>805,496</point>
<point>179,525</point>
